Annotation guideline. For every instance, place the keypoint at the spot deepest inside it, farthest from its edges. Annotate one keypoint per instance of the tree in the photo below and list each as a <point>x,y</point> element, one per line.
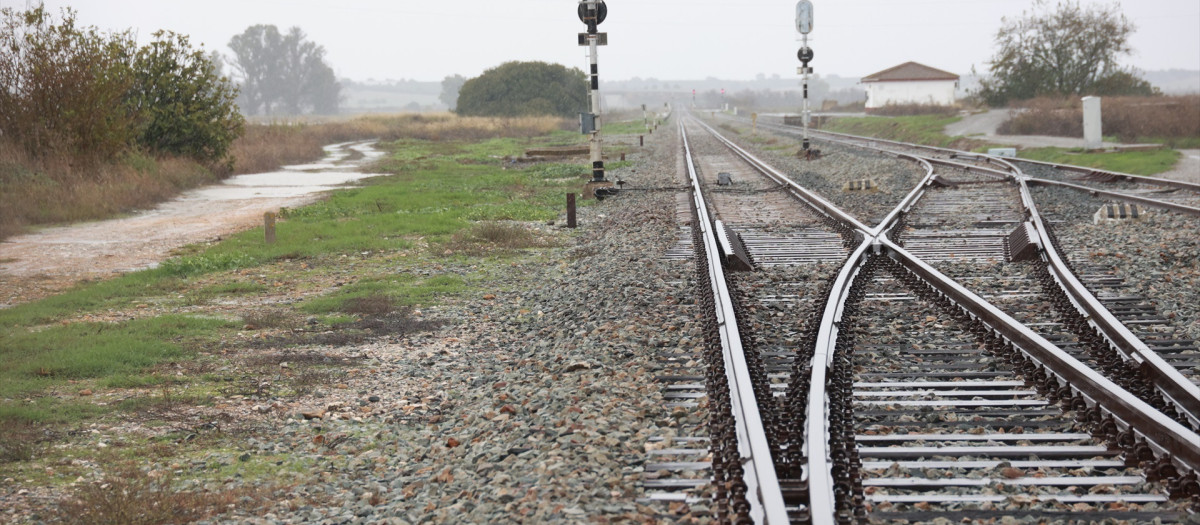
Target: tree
<point>185,106</point>
<point>1071,50</point>
<point>63,88</point>
<point>524,88</point>
<point>450,89</point>
<point>90,96</point>
<point>283,73</point>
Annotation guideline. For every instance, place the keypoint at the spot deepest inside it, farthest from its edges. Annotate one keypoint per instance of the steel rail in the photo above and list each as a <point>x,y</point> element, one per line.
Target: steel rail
<point>762,483</point>
<point>1191,186</point>
<point>1163,433</point>
<point>1183,185</point>
<point>822,205</point>
<point>821,503</point>
<point>1176,388</point>
<point>1170,382</point>
<point>1167,379</point>
<point>1182,208</point>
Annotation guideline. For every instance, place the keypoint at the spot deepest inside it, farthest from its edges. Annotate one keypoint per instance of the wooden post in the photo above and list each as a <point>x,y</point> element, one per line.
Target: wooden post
<point>570,210</point>
<point>269,226</point>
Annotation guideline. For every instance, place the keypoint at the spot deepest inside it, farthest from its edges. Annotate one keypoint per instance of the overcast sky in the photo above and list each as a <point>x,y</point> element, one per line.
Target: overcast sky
<point>664,39</point>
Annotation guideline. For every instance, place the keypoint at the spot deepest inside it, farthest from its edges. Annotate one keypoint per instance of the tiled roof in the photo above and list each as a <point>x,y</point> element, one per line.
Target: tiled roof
<point>910,71</point>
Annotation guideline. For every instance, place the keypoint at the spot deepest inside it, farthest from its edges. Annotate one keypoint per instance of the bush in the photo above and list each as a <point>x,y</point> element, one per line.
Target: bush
<point>524,89</point>
<point>185,107</point>
<point>90,97</point>
<point>63,88</point>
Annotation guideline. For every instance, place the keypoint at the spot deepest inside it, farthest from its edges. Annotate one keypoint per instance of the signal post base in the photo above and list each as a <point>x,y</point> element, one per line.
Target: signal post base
<point>589,189</point>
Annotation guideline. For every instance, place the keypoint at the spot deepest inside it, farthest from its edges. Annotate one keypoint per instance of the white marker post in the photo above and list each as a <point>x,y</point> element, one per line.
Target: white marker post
<point>804,24</point>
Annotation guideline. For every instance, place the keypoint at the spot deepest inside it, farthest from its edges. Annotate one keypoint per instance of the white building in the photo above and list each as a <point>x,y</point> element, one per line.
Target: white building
<point>910,83</point>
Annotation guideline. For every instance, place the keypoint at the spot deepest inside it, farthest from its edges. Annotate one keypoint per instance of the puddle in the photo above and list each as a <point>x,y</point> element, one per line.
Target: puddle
<point>50,260</point>
<point>293,181</point>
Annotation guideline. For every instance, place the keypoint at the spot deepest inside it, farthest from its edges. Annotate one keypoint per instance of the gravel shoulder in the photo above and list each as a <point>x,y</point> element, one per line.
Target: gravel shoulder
<point>533,403</point>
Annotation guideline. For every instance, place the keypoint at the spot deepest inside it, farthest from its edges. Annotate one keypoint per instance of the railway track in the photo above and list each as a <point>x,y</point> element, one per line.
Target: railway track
<point>940,360</point>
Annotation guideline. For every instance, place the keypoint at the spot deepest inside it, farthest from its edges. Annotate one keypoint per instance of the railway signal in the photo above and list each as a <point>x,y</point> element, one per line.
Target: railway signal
<point>593,13</point>
<point>804,25</point>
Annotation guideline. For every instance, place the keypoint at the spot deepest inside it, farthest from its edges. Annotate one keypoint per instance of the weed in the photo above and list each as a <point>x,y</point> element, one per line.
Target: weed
<point>33,360</point>
<point>494,238</point>
<point>268,318</point>
<point>905,110</point>
<point>17,442</point>
<point>206,263</point>
<point>307,381</point>
<point>374,304</point>
<point>130,496</point>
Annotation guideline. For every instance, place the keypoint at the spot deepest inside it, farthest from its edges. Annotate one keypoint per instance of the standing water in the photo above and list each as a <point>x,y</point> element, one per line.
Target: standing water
<point>52,259</point>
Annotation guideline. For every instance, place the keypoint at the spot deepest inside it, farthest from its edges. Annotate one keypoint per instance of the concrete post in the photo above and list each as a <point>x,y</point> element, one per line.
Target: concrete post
<point>1092,131</point>
<point>269,227</point>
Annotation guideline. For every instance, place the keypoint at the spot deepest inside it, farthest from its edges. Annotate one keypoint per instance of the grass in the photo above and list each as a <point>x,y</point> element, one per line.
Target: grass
<point>1150,162</point>
<point>1170,120</point>
<point>48,358</point>
<point>159,346</point>
<point>919,129</point>
<point>626,127</point>
<point>445,201</point>
<point>57,190</point>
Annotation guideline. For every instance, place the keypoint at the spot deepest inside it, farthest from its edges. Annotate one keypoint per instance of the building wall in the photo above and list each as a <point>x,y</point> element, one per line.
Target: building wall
<point>939,92</point>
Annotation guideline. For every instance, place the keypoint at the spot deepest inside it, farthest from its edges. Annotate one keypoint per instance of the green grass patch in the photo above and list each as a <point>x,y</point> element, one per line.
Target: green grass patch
<point>32,360</point>
<point>625,127</point>
<point>90,297</point>
<point>1150,162</point>
<point>436,194</point>
<point>919,129</point>
<point>404,290</point>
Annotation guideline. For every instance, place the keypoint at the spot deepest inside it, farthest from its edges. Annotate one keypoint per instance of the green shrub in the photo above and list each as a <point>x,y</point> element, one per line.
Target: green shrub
<point>74,92</point>
<point>185,107</point>
<point>524,88</point>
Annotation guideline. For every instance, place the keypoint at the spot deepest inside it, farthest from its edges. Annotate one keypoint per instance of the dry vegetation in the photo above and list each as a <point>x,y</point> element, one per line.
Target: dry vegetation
<point>1130,119</point>
<point>62,189</point>
<point>129,496</point>
<point>907,110</point>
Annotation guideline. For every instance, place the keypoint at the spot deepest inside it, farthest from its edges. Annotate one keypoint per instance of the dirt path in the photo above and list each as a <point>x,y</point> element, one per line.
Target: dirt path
<point>36,265</point>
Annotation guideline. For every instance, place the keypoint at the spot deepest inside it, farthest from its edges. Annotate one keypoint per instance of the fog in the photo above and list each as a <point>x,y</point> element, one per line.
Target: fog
<point>664,39</point>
